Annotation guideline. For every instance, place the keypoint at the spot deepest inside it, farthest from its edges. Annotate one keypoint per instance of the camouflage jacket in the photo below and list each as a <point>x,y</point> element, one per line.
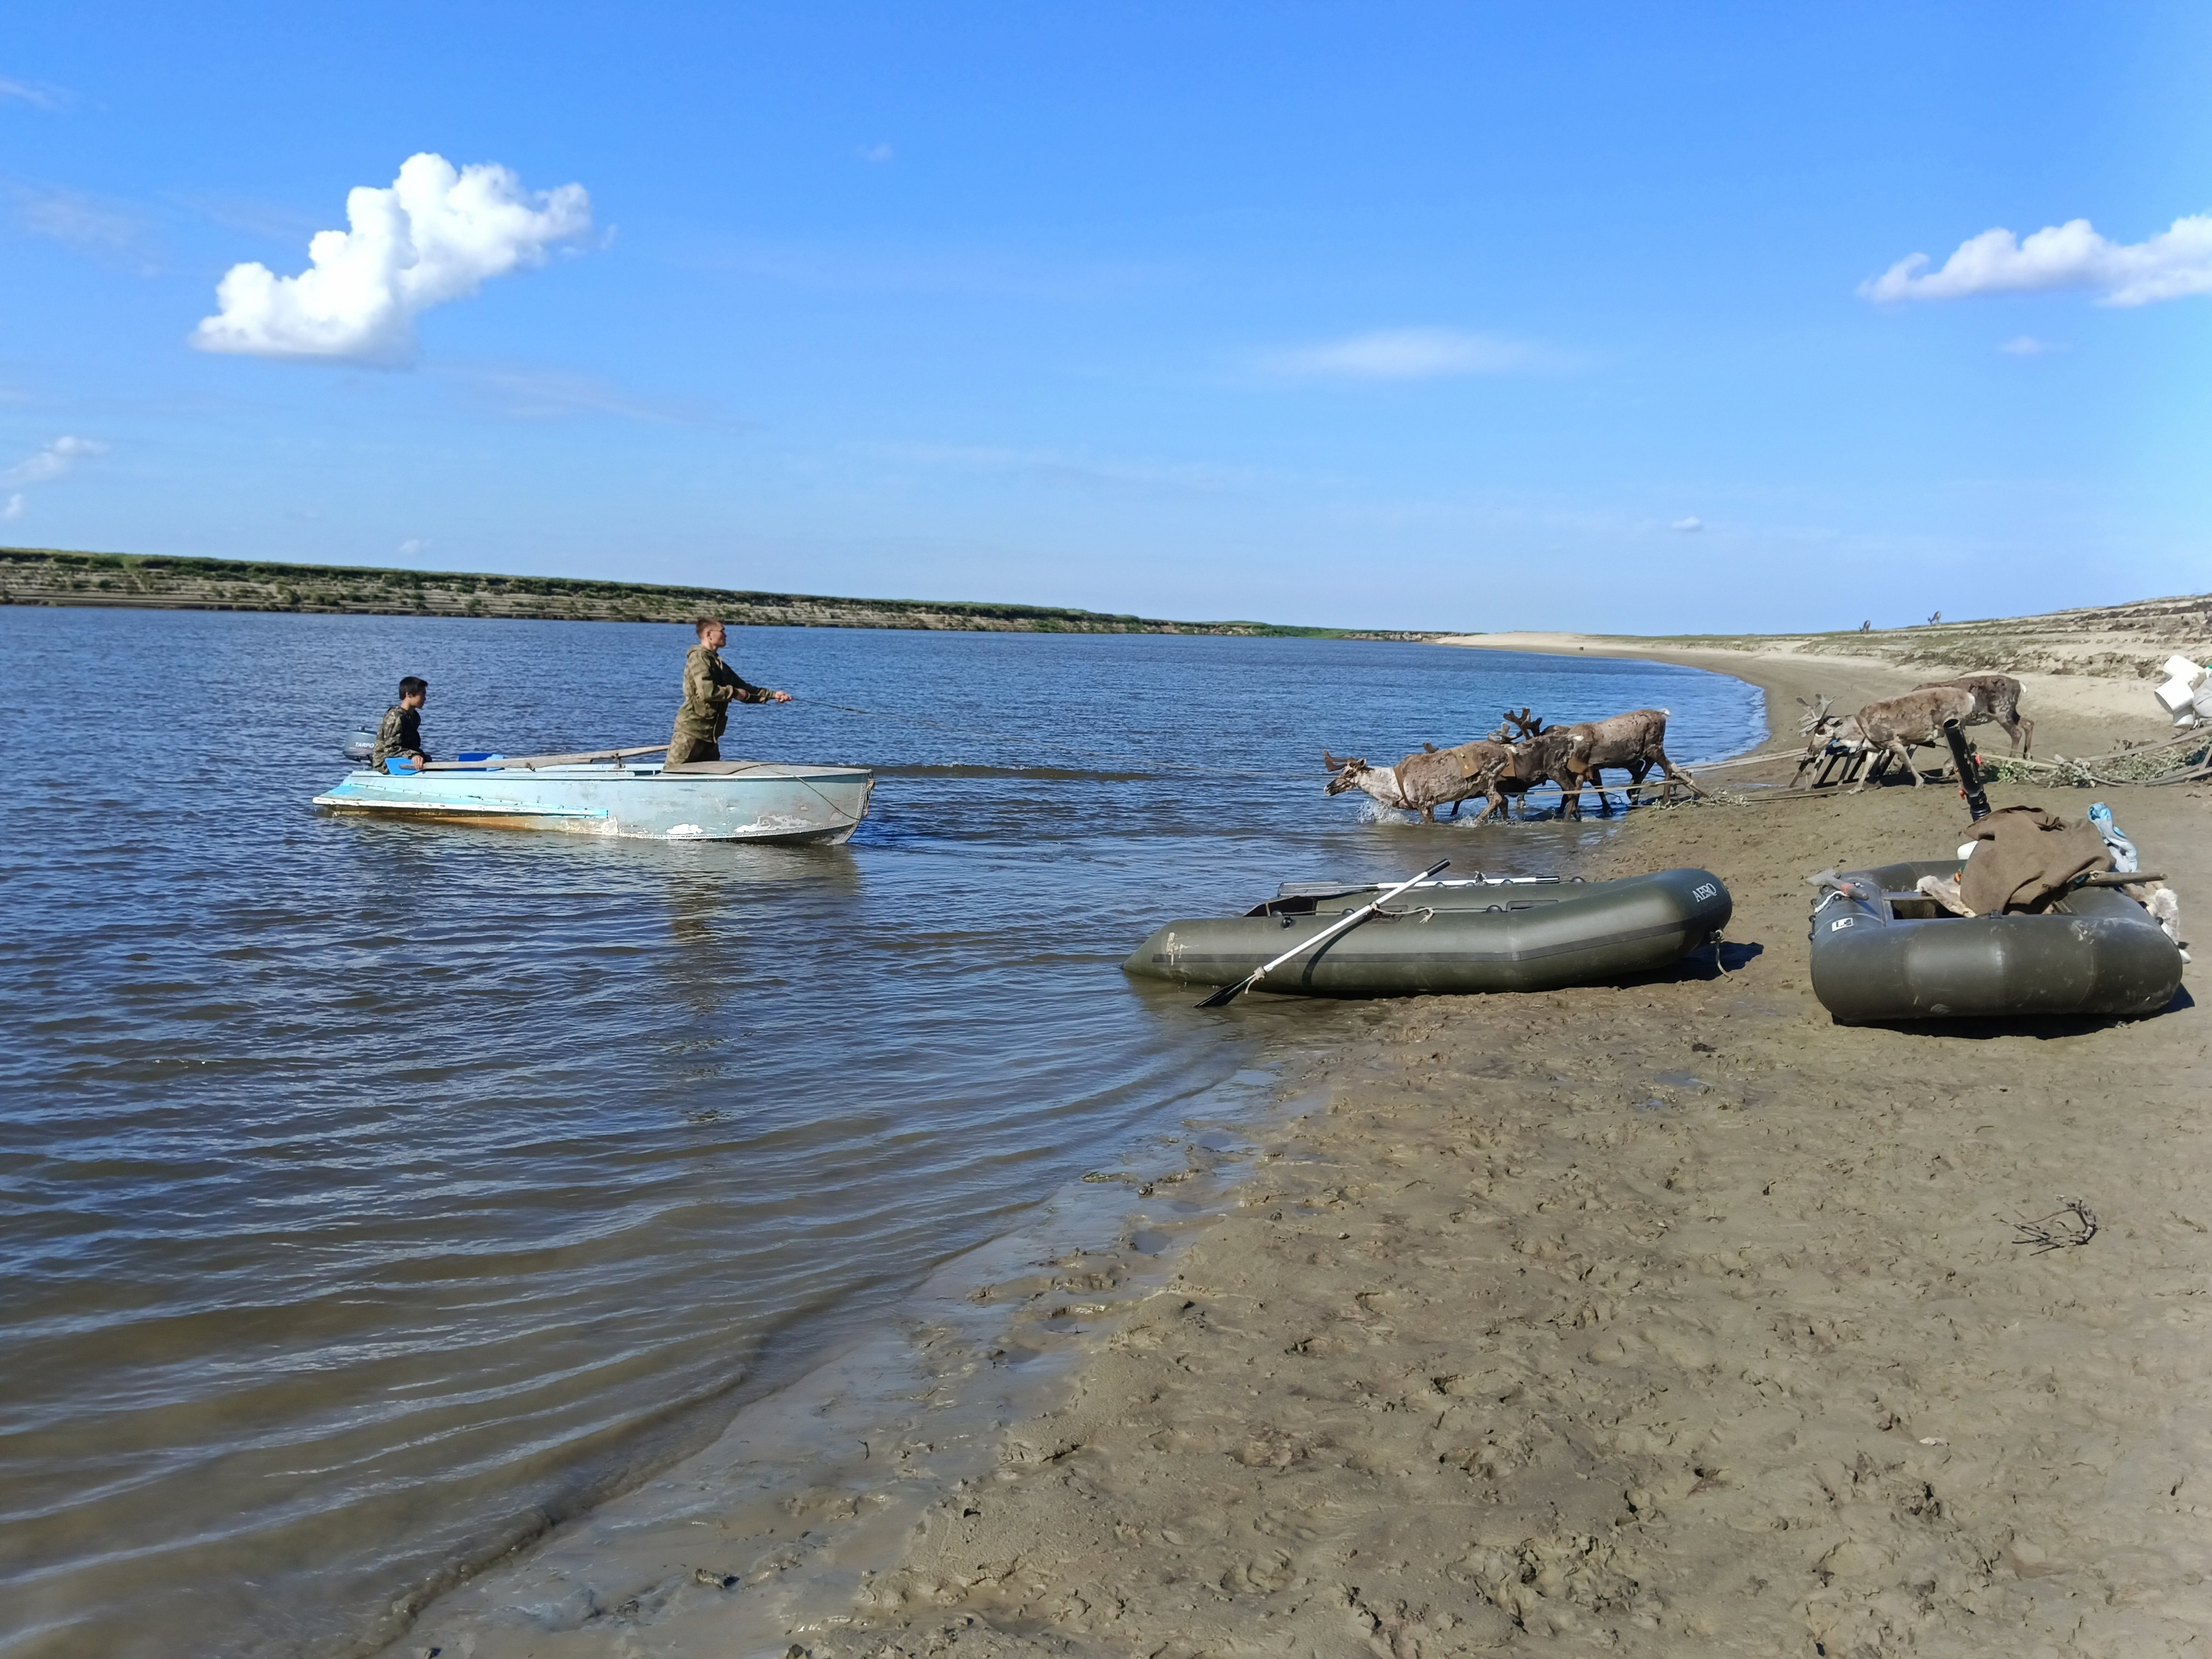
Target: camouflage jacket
<point>710,686</point>
<point>401,734</point>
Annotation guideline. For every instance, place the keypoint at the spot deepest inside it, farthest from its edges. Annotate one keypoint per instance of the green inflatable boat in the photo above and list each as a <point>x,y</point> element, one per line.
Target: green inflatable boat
<point>1485,933</point>
<point>1883,952</point>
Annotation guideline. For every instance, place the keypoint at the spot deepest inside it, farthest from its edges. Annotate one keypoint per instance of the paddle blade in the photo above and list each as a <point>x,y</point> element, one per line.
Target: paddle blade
<point>1225,995</point>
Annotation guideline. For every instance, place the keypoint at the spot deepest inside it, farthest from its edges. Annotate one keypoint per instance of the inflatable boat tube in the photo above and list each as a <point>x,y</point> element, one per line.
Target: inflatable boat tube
<point>1887,953</point>
<point>1487,935</point>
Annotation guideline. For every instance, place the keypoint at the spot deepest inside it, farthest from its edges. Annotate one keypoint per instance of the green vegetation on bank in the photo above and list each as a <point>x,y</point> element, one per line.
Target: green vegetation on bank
<point>51,576</point>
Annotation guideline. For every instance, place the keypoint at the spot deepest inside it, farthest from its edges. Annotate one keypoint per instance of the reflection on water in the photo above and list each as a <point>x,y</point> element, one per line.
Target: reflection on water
<point>378,1191</point>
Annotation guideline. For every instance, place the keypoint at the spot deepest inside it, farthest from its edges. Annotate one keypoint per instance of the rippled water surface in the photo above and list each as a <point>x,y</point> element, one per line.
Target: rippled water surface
<point>375,1191</point>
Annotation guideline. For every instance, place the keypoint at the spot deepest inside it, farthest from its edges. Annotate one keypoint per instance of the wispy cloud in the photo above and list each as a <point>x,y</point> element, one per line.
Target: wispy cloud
<point>878,153</point>
<point>438,233</point>
<point>56,461</point>
<point>2171,265</point>
<point>1079,470</point>
<point>526,394</point>
<point>250,214</point>
<point>981,273</point>
<point>89,224</point>
<point>1687,525</point>
<point>2026,345</point>
<point>35,93</point>
<point>1406,354</point>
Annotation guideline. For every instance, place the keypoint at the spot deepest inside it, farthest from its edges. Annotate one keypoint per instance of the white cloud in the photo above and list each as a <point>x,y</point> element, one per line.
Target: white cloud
<point>53,461</point>
<point>413,548</point>
<point>436,235</point>
<point>1688,524</point>
<point>14,509</point>
<point>875,152</point>
<point>1404,354</point>
<point>2175,263</point>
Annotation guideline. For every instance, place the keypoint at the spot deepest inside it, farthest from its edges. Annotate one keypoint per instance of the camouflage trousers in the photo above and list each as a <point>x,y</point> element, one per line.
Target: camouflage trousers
<point>687,746</point>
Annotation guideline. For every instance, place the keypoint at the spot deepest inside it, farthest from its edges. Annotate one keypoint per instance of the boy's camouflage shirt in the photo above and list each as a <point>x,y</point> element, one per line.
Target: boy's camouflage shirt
<point>401,734</point>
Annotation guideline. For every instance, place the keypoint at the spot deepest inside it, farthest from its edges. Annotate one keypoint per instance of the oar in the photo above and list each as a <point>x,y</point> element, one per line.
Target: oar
<point>531,763</point>
<point>1229,994</point>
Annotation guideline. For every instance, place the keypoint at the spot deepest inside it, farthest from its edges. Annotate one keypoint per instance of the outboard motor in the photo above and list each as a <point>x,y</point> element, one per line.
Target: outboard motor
<point>1970,775</point>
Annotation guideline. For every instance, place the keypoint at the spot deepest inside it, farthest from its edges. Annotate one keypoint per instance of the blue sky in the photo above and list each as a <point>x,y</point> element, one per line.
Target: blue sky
<point>1416,316</point>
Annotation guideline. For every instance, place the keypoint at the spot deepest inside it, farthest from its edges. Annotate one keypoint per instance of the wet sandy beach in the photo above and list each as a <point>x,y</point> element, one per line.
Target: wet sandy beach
<point>1663,1319</point>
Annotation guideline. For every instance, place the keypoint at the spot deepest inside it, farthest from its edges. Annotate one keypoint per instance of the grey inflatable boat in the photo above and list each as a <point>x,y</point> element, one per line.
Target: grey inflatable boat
<point>1487,933</point>
<point>1882,951</point>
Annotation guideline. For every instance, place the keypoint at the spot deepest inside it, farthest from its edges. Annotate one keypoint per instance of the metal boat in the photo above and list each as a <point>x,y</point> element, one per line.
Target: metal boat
<point>595,795</point>
<point>1489,934</point>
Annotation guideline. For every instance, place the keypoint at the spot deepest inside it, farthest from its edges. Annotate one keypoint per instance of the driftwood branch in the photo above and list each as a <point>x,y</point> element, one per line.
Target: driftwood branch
<point>2073,1223</point>
<point>2184,759</point>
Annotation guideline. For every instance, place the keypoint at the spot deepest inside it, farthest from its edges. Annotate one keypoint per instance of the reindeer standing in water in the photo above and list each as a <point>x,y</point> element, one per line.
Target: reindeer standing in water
<point>1575,756</point>
<point>1435,777</point>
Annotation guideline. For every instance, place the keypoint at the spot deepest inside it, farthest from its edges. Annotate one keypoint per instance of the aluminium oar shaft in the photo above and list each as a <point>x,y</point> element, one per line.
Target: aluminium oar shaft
<point>1229,994</point>
<point>530,763</point>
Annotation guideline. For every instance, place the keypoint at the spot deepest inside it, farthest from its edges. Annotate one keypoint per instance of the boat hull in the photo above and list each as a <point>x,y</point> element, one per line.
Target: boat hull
<point>1455,939</point>
<point>767,802</point>
<point>1895,956</point>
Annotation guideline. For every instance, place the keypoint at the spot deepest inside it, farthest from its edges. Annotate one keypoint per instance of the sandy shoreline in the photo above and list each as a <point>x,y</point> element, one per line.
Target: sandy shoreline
<point>1664,1319</point>
<point>2075,713</point>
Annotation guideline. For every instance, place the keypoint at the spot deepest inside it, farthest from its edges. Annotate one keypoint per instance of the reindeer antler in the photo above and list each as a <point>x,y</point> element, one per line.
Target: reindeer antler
<point>1815,718</point>
<point>1332,762</point>
<point>1531,725</point>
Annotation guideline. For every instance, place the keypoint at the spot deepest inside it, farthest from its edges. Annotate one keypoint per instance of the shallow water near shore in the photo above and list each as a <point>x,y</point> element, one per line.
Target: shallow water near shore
<point>378,1193</point>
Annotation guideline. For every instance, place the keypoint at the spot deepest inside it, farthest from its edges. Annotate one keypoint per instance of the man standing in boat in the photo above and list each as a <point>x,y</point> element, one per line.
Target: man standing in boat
<point>710,686</point>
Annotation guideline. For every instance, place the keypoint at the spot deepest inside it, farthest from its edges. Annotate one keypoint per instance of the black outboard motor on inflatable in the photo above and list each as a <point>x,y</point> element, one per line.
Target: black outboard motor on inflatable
<point>1970,772</point>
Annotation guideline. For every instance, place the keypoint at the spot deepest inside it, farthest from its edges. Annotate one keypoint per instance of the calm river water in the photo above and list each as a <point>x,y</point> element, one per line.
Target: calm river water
<point>373,1191</point>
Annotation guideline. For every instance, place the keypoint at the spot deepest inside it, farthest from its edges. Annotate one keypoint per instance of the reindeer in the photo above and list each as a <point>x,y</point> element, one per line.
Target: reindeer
<point>1423,781</point>
<point>1997,699</point>
<point>1575,757</point>
<point>1894,728</point>
<point>1634,742</point>
<point>1539,755</point>
<point>1818,728</point>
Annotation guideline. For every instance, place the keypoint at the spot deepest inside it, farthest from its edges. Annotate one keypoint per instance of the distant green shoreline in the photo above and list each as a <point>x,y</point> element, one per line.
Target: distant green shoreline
<point>31,575</point>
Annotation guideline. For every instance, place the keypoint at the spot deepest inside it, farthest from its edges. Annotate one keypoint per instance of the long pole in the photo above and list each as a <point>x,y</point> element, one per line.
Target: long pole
<point>1229,994</point>
<point>531,763</point>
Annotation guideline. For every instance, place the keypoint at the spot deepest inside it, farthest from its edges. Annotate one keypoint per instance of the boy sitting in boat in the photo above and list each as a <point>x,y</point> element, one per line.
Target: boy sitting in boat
<point>710,686</point>
<point>400,736</point>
